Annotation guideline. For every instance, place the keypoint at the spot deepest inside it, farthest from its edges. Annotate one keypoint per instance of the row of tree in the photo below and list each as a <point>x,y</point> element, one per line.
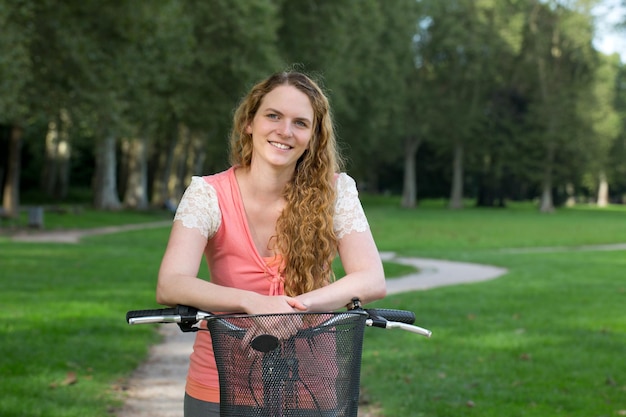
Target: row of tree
<point>489,99</point>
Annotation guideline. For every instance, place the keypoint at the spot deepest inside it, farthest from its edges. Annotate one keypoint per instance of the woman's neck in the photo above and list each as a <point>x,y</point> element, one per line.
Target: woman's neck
<point>262,183</point>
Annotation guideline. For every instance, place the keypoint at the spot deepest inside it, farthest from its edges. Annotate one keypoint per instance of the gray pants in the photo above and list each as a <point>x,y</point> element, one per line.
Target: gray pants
<point>199,408</point>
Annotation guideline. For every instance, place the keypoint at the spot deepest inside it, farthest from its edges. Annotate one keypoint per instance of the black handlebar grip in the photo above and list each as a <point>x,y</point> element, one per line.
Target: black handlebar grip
<point>151,313</point>
<point>402,316</point>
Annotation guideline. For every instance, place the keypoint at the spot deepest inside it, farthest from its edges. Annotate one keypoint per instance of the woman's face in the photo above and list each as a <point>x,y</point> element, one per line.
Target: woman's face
<point>281,128</point>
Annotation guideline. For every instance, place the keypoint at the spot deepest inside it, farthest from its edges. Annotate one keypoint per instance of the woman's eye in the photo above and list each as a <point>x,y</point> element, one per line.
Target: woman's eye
<point>300,123</point>
<point>272,116</point>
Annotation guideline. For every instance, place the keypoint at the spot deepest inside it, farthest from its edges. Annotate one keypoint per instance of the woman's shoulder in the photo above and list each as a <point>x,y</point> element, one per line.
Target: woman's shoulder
<point>199,208</point>
<point>349,215</point>
<point>345,183</point>
<point>225,175</point>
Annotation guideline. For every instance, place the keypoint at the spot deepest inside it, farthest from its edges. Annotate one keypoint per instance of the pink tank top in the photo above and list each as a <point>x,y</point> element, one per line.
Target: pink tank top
<point>233,262</point>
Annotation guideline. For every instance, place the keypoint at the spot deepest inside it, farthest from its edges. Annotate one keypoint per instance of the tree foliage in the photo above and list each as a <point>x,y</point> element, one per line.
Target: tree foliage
<point>487,99</point>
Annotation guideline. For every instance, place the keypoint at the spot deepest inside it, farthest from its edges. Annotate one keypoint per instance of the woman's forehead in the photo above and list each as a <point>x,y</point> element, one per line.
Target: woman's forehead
<point>288,100</point>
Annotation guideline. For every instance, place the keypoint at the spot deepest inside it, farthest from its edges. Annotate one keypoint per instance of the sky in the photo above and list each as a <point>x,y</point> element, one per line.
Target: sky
<point>609,39</point>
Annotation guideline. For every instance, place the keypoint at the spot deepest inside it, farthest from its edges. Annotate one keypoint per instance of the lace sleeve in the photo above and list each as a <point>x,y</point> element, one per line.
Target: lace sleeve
<point>199,209</point>
<point>349,214</point>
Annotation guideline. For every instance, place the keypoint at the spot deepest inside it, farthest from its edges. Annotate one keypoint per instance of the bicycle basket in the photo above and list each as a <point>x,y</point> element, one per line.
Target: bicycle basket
<point>267,370</point>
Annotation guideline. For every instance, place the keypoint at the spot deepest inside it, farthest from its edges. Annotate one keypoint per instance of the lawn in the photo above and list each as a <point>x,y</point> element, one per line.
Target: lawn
<point>547,339</point>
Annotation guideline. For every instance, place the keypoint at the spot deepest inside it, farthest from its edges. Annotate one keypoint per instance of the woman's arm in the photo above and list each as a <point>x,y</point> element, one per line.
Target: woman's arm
<point>364,279</point>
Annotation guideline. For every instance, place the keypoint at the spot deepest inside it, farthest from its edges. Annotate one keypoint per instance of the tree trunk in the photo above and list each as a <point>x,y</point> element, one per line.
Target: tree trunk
<point>603,190</point>
<point>56,171</point>
<point>546,88</point>
<point>176,181</point>
<point>456,195</point>
<point>196,156</point>
<point>105,184</point>
<point>48,172</point>
<point>136,190</point>
<point>547,203</point>
<point>11,192</point>
<point>409,185</point>
<point>570,191</point>
<point>164,166</point>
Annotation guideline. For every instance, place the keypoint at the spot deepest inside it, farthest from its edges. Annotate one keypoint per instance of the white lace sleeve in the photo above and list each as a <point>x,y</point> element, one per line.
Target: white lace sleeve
<point>199,209</point>
<point>349,214</point>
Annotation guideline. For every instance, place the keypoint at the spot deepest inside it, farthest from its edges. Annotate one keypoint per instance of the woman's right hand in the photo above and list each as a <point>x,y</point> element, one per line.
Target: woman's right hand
<point>273,304</point>
<point>276,323</point>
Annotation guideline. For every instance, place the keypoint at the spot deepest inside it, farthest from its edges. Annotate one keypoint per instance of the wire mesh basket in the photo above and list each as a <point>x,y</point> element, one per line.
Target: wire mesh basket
<point>289,365</point>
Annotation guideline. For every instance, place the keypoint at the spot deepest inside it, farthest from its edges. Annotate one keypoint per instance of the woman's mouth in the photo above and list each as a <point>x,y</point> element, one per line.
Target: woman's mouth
<point>281,146</point>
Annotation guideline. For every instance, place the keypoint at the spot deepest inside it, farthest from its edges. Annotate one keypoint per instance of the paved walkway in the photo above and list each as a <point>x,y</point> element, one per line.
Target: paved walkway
<point>437,273</point>
<point>74,235</point>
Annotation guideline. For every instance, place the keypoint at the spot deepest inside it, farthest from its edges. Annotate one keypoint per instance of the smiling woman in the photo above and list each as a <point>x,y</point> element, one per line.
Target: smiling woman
<point>270,226</point>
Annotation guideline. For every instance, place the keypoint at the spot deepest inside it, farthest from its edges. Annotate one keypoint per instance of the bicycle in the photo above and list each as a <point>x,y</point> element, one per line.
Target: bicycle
<point>286,365</point>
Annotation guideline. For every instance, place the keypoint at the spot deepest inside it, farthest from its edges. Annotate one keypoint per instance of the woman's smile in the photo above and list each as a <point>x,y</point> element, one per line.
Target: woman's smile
<point>281,146</point>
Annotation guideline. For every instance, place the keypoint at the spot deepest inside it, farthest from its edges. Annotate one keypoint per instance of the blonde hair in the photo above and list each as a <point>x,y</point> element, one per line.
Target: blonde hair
<point>304,231</point>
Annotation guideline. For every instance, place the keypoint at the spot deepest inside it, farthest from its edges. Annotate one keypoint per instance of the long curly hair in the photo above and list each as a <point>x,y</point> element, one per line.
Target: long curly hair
<point>304,230</point>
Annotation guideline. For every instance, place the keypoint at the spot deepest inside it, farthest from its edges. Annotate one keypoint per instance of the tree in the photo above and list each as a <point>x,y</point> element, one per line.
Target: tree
<point>340,53</point>
<point>605,124</point>
<point>559,47</point>
<point>617,155</point>
<point>227,46</point>
<point>77,78</point>
<point>15,74</point>
<point>365,53</point>
<point>509,91</point>
<point>456,55</point>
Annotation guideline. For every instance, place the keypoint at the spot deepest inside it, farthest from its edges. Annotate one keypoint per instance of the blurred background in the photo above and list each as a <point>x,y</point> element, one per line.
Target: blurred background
<point>115,104</point>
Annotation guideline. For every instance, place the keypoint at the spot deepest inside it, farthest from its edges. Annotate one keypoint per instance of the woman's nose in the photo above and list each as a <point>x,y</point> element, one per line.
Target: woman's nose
<point>285,129</point>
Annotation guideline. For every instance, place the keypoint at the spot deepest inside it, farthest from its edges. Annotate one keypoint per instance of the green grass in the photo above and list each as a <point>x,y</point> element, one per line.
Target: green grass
<point>437,231</point>
<point>64,308</point>
<point>547,339</point>
<point>76,217</point>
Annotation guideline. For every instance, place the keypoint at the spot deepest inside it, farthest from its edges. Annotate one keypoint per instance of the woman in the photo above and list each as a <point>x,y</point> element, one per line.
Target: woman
<point>270,226</point>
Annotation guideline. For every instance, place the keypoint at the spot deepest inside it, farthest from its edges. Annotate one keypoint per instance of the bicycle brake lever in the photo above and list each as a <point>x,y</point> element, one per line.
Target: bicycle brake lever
<point>377,320</point>
<point>188,318</point>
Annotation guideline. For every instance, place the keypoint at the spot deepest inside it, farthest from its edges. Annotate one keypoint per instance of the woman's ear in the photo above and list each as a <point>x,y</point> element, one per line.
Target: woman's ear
<point>249,129</point>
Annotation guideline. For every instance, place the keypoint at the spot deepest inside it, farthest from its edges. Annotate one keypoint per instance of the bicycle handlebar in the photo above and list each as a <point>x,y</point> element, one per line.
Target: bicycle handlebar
<point>186,317</point>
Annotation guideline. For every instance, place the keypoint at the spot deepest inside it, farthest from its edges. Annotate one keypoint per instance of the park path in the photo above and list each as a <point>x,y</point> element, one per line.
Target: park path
<point>75,235</point>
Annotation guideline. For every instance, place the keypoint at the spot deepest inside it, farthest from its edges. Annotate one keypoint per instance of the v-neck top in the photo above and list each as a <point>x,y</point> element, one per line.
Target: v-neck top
<point>213,205</point>
<point>234,261</point>
<point>233,258</point>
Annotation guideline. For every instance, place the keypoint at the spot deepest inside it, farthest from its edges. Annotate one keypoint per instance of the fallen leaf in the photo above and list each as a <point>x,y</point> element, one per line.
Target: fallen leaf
<point>70,379</point>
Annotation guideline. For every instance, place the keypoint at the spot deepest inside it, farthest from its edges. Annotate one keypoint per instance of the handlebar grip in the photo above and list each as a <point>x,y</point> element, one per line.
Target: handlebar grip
<point>400,316</point>
<point>151,313</point>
